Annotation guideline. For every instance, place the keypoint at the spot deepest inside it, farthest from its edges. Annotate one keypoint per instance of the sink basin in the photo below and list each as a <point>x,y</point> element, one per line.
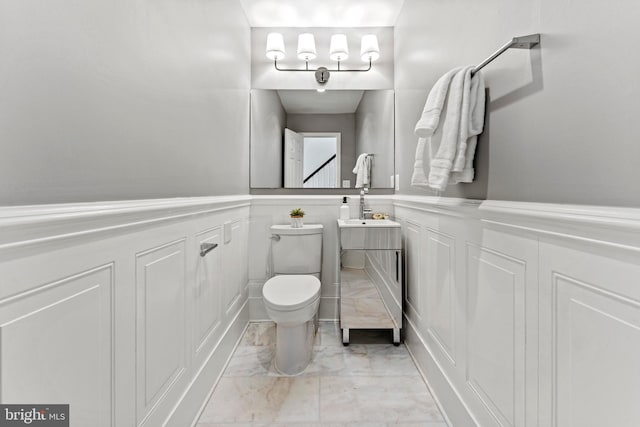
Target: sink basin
<point>366,223</point>
<point>374,234</point>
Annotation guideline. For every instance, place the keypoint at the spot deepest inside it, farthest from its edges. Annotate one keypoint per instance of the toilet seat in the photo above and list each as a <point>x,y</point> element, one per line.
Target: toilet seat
<point>291,292</point>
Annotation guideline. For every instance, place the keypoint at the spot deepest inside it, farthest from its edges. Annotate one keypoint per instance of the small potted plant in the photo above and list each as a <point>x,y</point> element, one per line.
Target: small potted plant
<point>296,217</point>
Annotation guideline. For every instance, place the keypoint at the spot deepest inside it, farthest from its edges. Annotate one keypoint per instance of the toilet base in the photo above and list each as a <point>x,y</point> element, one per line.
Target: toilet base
<point>294,346</point>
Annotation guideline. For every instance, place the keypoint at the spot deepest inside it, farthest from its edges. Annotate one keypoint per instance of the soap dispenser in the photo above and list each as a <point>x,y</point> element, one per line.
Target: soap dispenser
<point>344,209</point>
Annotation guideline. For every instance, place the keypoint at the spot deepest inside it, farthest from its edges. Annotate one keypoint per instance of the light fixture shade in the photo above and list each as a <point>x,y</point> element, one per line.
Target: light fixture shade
<point>369,49</point>
<point>306,47</point>
<point>338,50</point>
<point>275,46</point>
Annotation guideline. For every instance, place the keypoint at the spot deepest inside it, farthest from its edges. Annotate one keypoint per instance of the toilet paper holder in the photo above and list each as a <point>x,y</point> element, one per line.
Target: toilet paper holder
<point>205,248</point>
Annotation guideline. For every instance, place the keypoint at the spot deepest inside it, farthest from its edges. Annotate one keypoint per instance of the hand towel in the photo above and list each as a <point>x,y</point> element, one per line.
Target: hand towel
<point>442,163</point>
<point>362,169</point>
<point>472,124</point>
<point>428,123</point>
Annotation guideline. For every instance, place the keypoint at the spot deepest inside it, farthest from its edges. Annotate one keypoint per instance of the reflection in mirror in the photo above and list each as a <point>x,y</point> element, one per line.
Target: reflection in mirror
<point>289,131</point>
<point>310,159</point>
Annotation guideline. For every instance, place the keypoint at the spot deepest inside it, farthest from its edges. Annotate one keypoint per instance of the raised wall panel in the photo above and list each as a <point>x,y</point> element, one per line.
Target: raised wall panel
<point>597,348</point>
<point>160,323</point>
<point>234,253</point>
<point>440,292</point>
<point>56,344</point>
<point>413,261</point>
<point>207,294</point>
<point>589,335</point>
<point>496,333</point>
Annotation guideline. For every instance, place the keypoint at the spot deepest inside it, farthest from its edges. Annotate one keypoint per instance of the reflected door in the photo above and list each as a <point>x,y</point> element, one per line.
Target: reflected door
<point>294,157</point>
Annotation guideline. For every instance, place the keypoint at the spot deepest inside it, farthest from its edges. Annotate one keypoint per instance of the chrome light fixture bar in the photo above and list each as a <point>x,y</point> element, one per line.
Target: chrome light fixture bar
<point>338,51</point>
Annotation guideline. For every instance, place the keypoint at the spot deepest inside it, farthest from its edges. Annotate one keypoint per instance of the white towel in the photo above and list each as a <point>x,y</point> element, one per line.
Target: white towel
<point>451,156</point>
<point>442,163</point>
<point>472,124</point>
<point>362,170</point>
<point>428,123</point>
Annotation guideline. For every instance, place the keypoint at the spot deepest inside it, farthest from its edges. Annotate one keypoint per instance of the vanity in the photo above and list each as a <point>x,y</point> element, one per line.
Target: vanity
<point>370,281</point>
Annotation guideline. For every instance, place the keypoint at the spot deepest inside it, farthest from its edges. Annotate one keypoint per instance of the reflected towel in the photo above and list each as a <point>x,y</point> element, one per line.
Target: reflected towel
<point>362,169</point>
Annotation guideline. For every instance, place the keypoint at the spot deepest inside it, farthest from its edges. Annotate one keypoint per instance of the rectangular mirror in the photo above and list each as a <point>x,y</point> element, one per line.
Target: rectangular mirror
<point>309,139</point>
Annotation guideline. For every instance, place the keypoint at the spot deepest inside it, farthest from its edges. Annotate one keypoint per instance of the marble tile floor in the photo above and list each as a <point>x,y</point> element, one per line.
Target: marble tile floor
<point>370,383</point>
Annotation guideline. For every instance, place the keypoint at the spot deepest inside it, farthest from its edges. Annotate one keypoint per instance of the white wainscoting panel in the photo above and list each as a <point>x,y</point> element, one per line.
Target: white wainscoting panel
<point>160,323</point>
<point>235,278</point>
<point>496,333</point>
<point>109,306</point>
<point>56,343</point>
<point>414,260</point>
<point>440,292</point>
<point>546,310</point>
<point>591,330</point>
<point>207,298</point>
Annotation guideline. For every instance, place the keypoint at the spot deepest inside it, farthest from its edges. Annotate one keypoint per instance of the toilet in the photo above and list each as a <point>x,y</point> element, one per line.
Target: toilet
<point>292,296</point>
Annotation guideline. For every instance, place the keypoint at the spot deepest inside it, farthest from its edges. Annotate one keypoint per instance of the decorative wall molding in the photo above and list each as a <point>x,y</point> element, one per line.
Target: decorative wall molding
<point>592,216</point>
<point>524,359</point>
<point>156,336</point>
<point>550,240</point>
<point>45,330</point>
<point>439,205</point>
<point>28,226</point>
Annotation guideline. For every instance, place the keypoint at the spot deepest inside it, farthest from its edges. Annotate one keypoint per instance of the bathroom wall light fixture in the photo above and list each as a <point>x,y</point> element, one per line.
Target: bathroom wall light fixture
<point>338,51</point>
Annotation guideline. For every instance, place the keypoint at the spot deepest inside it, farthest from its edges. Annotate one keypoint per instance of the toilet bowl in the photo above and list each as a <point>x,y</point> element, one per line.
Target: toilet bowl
<point>291,299</point>
<point>292,303</point>
<point>292,296</point>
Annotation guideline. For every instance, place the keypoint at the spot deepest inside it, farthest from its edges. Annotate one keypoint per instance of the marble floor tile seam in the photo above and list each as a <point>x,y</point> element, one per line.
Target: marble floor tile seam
<point>359,360</point>
<point>275,374</point>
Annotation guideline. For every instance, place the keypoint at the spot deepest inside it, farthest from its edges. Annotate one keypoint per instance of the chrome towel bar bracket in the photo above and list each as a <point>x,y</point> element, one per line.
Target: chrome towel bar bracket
<point>522,42</point>
<point>205,248</point>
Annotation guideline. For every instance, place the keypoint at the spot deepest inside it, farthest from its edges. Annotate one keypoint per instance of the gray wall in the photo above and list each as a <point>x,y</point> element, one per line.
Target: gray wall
<point>343,123</point>
<point>104,100</point>
<point>561,118</point>
<point>268,120</point>
<point>374,134</point>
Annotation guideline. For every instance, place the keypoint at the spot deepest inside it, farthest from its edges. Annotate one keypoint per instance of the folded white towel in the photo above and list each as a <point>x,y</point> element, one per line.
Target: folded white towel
<point>472,124</point>
<point>452,150</point>
<point>442,163</point>
<point>362,170</point>
<point>428,123</point>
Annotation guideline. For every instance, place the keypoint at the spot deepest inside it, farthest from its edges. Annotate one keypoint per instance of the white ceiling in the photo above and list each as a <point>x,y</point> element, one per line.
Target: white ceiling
<point>323,13</point>
<point>312,102</point>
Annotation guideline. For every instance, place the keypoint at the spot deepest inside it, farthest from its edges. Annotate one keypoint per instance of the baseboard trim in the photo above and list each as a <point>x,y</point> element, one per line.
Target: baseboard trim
<point>193,401</point>
<point>447,398</point>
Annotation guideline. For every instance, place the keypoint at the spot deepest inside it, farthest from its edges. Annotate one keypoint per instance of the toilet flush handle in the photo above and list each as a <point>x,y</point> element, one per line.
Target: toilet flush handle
<point>275,237</point>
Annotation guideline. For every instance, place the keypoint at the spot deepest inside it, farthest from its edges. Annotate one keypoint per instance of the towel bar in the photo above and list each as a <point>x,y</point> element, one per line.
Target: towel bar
<point>522,42</point>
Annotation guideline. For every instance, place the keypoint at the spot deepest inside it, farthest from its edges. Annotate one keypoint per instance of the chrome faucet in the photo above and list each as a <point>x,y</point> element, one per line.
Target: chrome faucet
<point>363,211</point>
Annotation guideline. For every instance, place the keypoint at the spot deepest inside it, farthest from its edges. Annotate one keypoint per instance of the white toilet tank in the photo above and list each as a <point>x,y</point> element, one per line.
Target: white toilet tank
<point>298,250</point>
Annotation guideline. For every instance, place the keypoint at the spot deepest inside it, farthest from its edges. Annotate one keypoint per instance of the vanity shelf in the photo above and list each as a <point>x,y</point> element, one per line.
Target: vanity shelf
<point>370,260</point>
